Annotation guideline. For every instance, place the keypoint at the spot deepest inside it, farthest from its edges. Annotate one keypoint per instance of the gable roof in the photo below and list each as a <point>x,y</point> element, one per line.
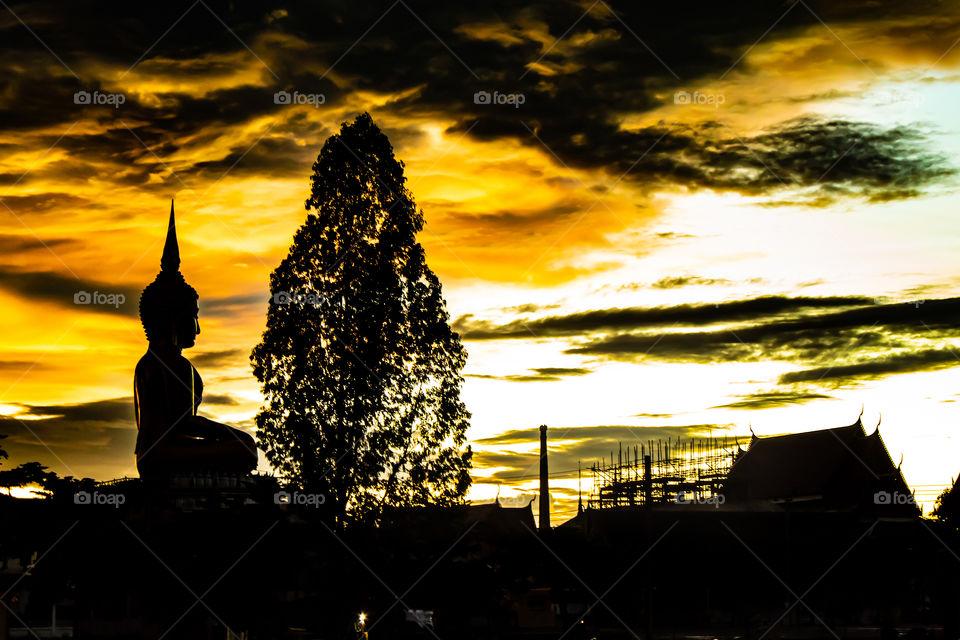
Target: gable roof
<point>841,467</point>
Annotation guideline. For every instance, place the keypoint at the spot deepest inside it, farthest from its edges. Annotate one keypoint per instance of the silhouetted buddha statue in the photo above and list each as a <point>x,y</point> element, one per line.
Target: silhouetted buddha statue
<point>171,437</point>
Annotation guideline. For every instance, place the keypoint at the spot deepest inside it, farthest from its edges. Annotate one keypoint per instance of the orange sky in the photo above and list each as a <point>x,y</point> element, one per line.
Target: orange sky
<point>813,159</point>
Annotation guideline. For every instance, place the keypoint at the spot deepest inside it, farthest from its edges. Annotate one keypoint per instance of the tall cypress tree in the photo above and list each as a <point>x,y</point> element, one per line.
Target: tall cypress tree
<point>360,370</point>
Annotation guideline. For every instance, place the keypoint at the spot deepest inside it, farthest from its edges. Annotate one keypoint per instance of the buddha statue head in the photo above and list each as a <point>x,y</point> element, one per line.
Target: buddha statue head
<point>168,305</point>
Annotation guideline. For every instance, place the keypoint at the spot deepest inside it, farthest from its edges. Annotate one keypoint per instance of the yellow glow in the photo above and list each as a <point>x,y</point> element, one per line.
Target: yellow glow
<point>28,492</point>
<point>9,410</point>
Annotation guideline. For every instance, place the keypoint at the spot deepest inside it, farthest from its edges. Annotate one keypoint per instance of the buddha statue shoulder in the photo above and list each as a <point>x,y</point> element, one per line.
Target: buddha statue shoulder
<point>167,390</point>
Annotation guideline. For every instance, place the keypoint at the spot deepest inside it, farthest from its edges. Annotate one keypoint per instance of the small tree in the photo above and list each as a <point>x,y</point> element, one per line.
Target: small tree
<point>360,370</point>
<point>28,473</point>
<point>947,509</point>
<point>35,473</point>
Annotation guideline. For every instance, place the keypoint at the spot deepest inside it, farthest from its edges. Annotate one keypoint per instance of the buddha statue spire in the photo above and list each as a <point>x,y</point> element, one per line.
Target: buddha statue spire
<point>169,292</point>
<point>170,261</point>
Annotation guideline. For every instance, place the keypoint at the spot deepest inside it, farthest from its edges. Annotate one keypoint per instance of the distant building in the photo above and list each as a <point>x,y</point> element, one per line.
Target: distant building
<point>826,471</point>
<point>840,469</point>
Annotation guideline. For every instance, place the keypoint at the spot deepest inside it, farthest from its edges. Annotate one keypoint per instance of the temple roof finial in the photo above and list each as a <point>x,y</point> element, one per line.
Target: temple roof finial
<point>170,261</point>
<point>879,420</point>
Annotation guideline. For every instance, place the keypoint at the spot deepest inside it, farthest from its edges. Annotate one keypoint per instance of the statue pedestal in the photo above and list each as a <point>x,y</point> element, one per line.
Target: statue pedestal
<point>206,490</point>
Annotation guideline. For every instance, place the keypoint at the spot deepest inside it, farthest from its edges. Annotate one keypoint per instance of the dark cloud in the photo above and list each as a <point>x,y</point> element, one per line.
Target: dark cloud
<point>528,308</point>
<point>820,336</point>
<point>902,362</point>
<point>229,306</point>
<point>23,243</point>
<point>562,371</point>
<point>22,366</point>
<point>845,336</point>
<point>279,154</point>
<point>649,317</point>
<point>544,374</point>
<point>825,160</point>
<point>845,345</point>
<point>41,203</point>
<point>675,282</point>
<point>813,161</point>
<point>437,55</point>
<point>107,411</point>
<point>220,399</point>
<point>508,219</point>
<point>214,359</point>
<point>770,399</point>
<point>606,433</point>
<point>67,291</point>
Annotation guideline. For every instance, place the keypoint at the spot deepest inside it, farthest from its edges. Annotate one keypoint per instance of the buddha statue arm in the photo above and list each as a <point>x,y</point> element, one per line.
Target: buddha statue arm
<point>166,403</point>
<point>163,406</point>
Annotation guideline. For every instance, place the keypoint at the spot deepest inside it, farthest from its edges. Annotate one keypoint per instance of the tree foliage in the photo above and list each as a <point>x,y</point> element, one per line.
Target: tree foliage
<point>46,483</point>
<point>27,474</point>
<point>360,370</point>
<point>947,509</point>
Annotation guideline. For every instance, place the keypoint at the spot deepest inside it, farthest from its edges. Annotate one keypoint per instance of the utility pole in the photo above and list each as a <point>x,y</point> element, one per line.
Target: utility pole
<point>544,482</point>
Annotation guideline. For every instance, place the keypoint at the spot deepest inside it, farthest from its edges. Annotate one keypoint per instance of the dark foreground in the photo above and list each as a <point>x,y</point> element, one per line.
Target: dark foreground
<point>244,566</point>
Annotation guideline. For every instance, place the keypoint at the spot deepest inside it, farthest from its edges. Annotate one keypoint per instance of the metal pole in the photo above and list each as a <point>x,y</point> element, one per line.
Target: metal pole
<point>544,482</point>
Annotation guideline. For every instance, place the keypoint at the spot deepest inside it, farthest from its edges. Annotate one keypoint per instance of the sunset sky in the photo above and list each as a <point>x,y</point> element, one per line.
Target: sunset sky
<point>670,219</point>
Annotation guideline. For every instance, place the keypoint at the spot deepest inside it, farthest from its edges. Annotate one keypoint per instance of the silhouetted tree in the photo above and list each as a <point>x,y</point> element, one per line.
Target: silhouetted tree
<point>360,370</point>
<point>947,509</point>
<point>4,477</point>
<point>28,473</point>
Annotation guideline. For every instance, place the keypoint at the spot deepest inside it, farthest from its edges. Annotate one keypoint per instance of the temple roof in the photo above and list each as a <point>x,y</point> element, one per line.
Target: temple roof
<point>843,466</point>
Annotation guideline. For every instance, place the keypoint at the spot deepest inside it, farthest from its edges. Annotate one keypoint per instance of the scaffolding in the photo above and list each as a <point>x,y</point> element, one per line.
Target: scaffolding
<point>663,472</point>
